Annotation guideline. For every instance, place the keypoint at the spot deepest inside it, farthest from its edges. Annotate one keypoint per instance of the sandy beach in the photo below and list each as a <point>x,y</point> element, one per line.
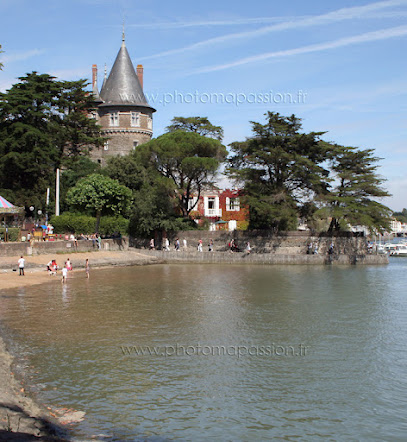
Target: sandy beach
<point>21,419</point>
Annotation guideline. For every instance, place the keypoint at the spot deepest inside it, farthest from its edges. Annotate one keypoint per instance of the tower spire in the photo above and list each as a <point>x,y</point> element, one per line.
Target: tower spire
<point>123,35</point>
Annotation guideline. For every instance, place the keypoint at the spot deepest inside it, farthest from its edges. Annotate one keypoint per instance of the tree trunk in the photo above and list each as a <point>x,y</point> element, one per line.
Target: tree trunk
<point>98,216</point>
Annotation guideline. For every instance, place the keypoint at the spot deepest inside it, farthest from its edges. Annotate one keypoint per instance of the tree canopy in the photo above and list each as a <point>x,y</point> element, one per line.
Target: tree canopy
<point>280,169</point>
<point>401,216</point>
<point>189,160</point>
<point>99,195</point>
<point>352,198</point>
<point>43,122</point>
<point>199,125</point>
<point>287,175</point>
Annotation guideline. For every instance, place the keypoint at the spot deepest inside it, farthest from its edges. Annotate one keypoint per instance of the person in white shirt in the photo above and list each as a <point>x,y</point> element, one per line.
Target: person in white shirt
<point>64,274</point>
<point>21,264</point>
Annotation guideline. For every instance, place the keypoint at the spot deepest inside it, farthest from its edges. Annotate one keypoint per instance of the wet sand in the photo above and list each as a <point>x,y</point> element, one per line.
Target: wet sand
<point>36,266</point>
<point>21,419</point>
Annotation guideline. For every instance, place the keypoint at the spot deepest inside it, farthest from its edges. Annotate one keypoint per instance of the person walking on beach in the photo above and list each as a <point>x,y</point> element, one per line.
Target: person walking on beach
<point>87,268</point>
<point>21,264</point>
<point>64,275</point>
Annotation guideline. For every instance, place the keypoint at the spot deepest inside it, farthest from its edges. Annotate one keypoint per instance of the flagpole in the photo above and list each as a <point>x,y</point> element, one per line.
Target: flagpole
<point>57,195</point>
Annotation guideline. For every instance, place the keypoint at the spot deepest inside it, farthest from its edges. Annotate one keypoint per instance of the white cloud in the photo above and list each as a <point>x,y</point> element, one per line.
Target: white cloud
<point>383,34</point>
<point>356,12</point>
<point>205,23</point>
<point>19,56</point>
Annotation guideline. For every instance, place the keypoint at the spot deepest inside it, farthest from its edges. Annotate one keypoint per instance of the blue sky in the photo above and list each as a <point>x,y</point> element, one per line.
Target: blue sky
<point>340,65</point>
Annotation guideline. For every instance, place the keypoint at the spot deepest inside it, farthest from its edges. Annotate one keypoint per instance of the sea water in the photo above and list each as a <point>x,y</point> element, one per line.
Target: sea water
<point>220,352</point>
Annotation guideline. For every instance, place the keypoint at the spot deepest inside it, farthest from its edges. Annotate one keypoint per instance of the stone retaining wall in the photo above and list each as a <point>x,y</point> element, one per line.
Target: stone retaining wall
<point>46,247</point>
<point>266,258</point>
<point>288,243</point>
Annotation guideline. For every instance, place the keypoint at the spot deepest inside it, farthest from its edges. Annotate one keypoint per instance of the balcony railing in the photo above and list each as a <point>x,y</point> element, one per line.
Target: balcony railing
<point>213,212</point>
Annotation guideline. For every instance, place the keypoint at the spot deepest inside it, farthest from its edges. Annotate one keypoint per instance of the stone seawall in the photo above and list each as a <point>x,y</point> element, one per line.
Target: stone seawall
<point>49,247</point>
<point>265,258</point>
<point>265,242</point>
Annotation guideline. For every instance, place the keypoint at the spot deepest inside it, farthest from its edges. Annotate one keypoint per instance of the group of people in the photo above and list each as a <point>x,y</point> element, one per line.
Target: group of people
<point>52,268</point>
<point>95,238</point>
<point>232,245</point>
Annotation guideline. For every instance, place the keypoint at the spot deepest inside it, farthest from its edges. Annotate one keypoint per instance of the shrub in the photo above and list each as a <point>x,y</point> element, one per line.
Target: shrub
<point>113,224</point>
<point>77,223</point>
<point>13,233</point>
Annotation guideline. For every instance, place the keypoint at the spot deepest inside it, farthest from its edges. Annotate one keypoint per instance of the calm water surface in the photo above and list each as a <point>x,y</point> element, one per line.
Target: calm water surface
<point>327,348</point>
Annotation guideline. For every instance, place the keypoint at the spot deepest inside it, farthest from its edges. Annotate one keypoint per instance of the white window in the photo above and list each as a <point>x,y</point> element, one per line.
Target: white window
<point>135,119</point>
<point>211,206</point>
<point>135,144</point>
<point>149,122</point>
<point>232,204</point>
<point>106,145</point>
<point>114,119</point>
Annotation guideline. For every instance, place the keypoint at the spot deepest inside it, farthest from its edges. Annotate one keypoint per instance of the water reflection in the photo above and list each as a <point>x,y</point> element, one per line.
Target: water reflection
<point>349,384</point>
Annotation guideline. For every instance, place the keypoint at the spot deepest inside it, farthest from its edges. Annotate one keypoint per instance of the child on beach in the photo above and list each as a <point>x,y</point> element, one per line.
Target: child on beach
<point>87,267</point>
<point>68,264</point>
<point>64,275</point>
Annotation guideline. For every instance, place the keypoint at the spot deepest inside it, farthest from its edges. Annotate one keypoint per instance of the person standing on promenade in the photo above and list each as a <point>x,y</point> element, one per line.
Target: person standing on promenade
<point>200,245</point>
<point>184,241</point>
<point>248,248</point>
<point>152,244</point>
<point>99,241</point>
<point>167,244</point>
<point>21,264</point>
<point>210,245</point>
<point>87,268</point>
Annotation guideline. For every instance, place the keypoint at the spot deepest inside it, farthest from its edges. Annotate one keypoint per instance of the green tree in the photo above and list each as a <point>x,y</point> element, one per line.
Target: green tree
<point>154,204</point>
<point>75,132</point>
<point>188,159</point>
<point>352,199</point>
<point>281,170</point>
<point>199,125</point>
<point>401,216</point>
<point>74,170</point>
<point>99,195</point>
<point>42,122</point>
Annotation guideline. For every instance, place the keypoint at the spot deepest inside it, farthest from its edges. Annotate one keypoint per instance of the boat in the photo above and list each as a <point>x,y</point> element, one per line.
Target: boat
<point>399,251</point>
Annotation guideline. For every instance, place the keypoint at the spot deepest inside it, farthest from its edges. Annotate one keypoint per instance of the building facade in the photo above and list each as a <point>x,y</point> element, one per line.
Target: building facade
<point>122,109</point>
<point>221,208</point>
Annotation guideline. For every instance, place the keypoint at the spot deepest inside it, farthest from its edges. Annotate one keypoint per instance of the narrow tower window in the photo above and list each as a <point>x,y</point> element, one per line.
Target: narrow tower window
<point>114,119</point>
<point>135,119</point>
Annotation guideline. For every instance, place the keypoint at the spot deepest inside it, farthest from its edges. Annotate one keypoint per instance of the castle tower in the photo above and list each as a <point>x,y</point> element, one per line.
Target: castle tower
<point>123,112</point>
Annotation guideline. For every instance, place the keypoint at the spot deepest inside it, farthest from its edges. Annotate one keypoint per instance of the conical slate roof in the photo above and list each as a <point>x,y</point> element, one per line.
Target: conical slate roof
<point>96,96</point>
<point>122,87</point>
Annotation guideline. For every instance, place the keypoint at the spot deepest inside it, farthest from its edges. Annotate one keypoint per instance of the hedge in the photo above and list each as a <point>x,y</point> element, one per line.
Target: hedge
<point>75,223</point>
